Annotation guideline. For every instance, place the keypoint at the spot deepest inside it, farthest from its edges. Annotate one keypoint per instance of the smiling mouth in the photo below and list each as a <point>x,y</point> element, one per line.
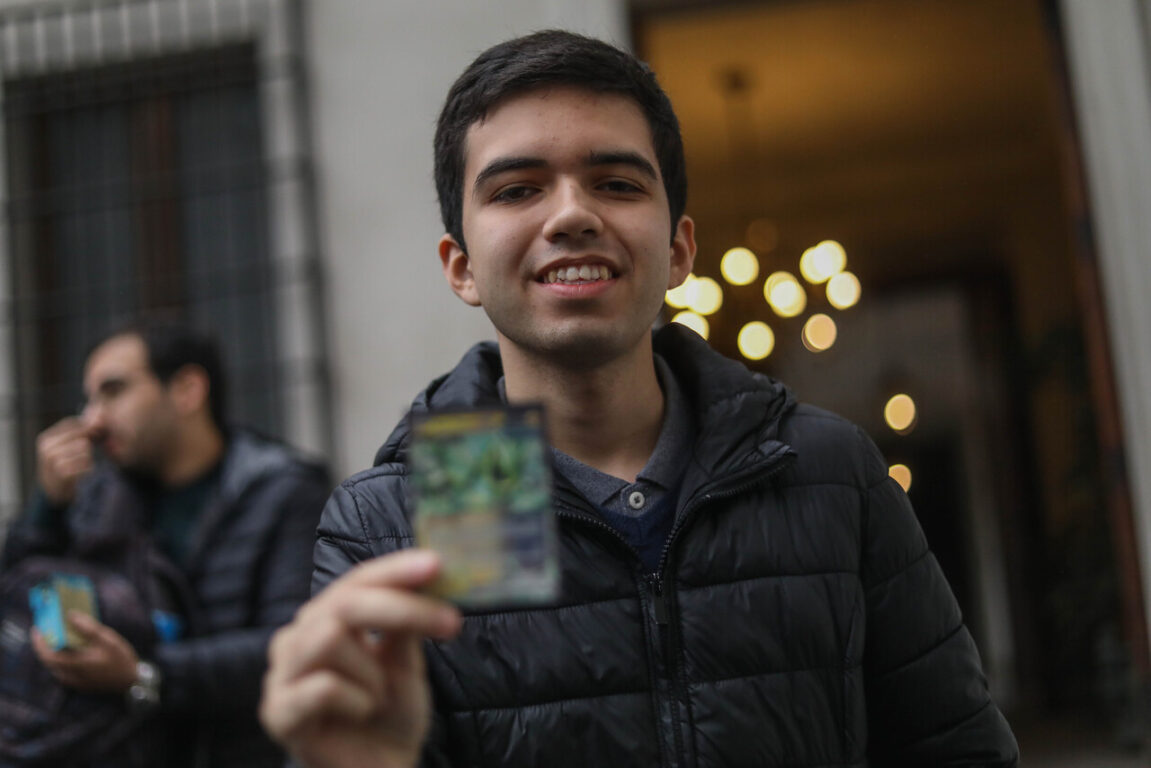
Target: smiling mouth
<point>585,273</point>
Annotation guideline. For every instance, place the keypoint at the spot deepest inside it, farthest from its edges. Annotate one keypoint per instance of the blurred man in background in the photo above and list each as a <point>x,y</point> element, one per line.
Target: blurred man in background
<point>234,513</point>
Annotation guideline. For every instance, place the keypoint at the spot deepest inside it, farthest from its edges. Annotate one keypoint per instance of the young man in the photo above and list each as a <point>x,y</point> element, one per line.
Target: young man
<point>742,583</point>
<point>235,513</point>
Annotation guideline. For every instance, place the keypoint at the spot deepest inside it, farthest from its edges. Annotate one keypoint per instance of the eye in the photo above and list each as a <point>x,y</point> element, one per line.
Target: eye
<point>620,186</point>
<point>113,389</point>
<point>513,194</point>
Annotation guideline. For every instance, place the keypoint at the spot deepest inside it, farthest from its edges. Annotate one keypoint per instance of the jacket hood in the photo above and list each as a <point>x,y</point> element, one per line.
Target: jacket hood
<point>734,407</point>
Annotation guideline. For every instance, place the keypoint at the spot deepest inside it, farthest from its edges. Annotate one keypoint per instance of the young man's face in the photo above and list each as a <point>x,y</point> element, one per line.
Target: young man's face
<point>129,411</point>
<point>567,226</point>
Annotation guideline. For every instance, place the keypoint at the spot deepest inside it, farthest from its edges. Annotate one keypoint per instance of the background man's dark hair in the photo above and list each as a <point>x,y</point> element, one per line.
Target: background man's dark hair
<point>170,346</point>
<point>539,60</point>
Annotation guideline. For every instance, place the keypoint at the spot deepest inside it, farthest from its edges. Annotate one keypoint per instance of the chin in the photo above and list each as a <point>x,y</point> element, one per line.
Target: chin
<point>587,350</point>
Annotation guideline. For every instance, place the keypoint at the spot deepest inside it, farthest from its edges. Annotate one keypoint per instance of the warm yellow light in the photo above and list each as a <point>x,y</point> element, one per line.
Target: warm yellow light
<point>899,413</point>
<point>819,333</point>
<point>739,266</point>
<point>756,340</point>
<point>843,290</point>
<point>785,295</point>
<point>697,323</point>
<point>677,297</point>
<point>902,475</point>
<point>822,261</point>
<point>704,296</point>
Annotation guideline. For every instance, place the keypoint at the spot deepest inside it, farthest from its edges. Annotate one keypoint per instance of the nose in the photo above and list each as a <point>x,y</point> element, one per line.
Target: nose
<point>573,215</point>
<point>93,415</point>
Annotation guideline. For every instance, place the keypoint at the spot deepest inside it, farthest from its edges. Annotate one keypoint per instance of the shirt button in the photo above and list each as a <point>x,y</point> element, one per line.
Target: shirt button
<point>636,500</point>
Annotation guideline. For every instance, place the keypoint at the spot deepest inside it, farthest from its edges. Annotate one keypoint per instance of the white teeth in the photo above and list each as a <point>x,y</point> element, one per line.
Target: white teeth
<point>583,273</point>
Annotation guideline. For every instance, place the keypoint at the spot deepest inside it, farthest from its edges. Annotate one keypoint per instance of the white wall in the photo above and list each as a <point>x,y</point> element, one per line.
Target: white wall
<point>1111,76</point>
<point>379,72</point>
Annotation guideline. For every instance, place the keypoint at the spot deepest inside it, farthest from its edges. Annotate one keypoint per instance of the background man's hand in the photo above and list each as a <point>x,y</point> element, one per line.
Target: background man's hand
<point>346,684</point>
<point>107,663</point>
<point>63,456</point>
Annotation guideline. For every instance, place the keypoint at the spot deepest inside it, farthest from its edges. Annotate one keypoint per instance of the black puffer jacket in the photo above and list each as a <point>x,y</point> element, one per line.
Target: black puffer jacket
<point>798,618</point>
<point>248,570</point>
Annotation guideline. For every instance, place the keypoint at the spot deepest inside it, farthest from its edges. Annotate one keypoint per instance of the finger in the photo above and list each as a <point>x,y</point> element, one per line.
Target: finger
<point>302,648</point>
<point>73,469</point>
<point>67,661</point>
<point>65,426</point>
<point>62,432</point>
<point>397,610</point>
<point>407,568</point>
<point>403,657</point>
<point>41,648</point>
<point>288,706</point>
<point>88,628</point>
<point>71,451</point>
<point>69,677</point>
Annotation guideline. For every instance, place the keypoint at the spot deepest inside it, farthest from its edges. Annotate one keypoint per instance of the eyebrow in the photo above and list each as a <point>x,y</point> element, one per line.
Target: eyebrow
<point>624,157</point>
<point>519,163</point>
<point>505,164</point>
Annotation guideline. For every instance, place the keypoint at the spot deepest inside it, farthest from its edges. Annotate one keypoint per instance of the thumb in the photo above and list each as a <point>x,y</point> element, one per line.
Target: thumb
<point>87,626</point>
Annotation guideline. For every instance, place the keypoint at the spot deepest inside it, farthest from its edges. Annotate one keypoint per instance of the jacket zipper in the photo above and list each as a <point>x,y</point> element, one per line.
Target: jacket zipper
<point>658,600</point>
<point>761,473</point>
<point>657,581</point>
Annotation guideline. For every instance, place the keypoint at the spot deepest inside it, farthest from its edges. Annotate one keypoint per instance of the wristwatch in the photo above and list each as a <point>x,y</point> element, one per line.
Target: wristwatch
<point>144,693</point>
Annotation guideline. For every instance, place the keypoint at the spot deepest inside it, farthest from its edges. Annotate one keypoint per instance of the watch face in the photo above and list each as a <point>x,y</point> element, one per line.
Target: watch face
<point>144,694</point>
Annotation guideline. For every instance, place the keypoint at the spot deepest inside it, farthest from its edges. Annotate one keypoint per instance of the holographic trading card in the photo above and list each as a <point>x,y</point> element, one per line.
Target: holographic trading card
<point>481,491</point>
<point>51,601</point>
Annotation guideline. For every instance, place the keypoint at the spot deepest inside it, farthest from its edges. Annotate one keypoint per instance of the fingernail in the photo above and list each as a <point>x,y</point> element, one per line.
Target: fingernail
<point>425,558</point>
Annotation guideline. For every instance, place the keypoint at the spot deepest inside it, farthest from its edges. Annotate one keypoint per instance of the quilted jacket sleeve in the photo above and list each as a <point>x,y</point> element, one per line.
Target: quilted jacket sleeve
<point>364,518</point>
<point>342,540</point>
<point>927,697</point>
<point>222,672</point>
<point>40,530</point>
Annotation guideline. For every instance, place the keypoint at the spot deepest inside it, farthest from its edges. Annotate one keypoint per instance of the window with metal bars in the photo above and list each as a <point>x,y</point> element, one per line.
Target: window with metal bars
<point>154,157</point>
<point>139,188</point>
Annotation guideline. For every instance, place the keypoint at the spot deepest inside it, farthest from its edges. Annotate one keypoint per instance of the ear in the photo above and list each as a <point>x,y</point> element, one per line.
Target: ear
<point>188,389</point>
<point>682,252</point>
<point>458,270</point>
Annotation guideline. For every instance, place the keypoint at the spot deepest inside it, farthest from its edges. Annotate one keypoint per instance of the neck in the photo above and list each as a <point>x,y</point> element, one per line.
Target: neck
<point>608,417</point>
<point>199,447</point>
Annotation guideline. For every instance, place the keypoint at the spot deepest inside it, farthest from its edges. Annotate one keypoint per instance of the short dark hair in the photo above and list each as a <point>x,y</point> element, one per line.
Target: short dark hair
<point>171,346</point>
<point>542,59</point>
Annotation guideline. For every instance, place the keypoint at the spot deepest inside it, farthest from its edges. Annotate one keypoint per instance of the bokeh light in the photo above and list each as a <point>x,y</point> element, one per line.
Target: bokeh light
<point>677,297</point>
<point>756,340</point>
<point>902,475</point>
<point>739,266</point>
<point>822,261</point>
<point>900,413</point>
<point>819,333</point>
<point>784,293</point>
<point>704,296</point>
<point>697,323</point>
<point>843,290</point>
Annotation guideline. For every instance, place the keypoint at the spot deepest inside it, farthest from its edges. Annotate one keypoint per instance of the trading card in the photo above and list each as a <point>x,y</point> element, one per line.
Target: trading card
<point>52,600</point>
<point>481,493</point>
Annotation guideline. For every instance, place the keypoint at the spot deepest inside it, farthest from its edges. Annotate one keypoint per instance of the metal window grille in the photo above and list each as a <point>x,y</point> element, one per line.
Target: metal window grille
<point>155,160</point>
